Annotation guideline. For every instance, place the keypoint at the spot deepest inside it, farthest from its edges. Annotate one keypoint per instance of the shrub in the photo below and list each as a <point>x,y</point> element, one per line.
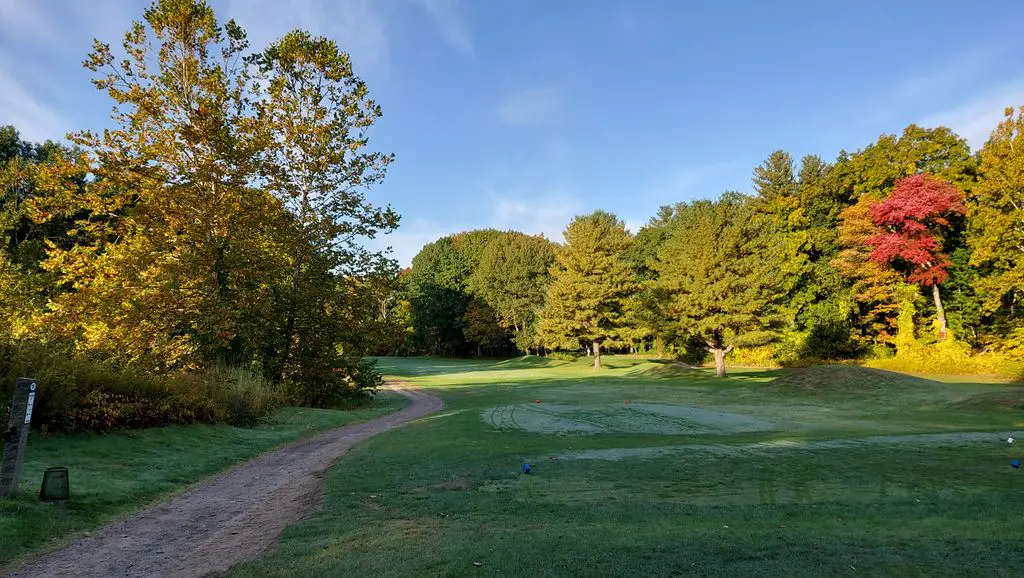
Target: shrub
<point>950,357</point>
<point>245,396</point>
<point>347,380</point>
<point>760,356</point>
<point>78,394</point>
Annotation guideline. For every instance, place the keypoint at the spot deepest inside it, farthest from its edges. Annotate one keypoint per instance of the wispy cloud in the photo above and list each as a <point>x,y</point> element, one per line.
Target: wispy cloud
<point>975,118</point>
<point>548,214</point>
<point>944,80</point>
<point>530,106</point>
<point>448,17</point>
<point>18,107</point>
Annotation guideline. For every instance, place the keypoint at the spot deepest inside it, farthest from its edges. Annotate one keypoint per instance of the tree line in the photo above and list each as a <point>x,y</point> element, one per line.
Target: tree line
<point>910,247</point>
<point>218,222</point>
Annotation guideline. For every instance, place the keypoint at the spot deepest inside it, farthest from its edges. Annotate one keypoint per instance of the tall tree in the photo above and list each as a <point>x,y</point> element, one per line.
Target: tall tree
<point>778,197</point>
<point>718,275</point>
<point>867,177</point>
<point>314,115</point>
<point>438,298</point>
<point>913,220</point>
<point>512,277</point>
<point>177,254</point>
<point>590,283</point>
<point>996,225</point>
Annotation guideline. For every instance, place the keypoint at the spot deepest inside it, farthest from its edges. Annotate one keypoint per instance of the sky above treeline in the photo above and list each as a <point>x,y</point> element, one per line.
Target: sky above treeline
<point>523,113</point>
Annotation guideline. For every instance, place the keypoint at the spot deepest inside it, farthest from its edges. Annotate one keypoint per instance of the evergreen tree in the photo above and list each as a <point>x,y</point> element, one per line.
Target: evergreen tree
<point>591,281</point>
<point>719,275</point>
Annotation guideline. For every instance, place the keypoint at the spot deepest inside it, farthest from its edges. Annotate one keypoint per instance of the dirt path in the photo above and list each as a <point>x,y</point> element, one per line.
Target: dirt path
<point>233,517</point>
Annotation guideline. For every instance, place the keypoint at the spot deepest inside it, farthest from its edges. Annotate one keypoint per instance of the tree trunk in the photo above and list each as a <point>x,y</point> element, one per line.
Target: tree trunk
<point>720,354</point>
<point>597,355</point>
<point>940,312</point>
<point>719,361</point>
<point>661,347</point>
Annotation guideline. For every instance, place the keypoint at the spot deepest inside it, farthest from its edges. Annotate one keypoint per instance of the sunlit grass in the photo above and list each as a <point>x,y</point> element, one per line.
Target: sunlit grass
<point>822,494</point>
<point>114,473</point>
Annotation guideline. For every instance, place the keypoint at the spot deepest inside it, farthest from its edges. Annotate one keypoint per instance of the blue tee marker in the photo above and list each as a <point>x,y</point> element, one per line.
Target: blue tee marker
<point>1015,463</point>
<point>527,468</point>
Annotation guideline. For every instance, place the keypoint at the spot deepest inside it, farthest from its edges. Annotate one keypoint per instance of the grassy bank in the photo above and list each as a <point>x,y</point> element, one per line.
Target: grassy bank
<point>116,473</point>
<point>848,479</point>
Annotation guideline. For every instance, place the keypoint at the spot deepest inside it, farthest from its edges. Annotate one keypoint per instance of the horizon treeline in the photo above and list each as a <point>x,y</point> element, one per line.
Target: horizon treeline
<point>911,247</point>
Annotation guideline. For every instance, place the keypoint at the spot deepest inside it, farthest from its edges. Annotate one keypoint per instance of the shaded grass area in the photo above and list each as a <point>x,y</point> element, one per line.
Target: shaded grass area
<point>444,496</point>
<point>118,472</point>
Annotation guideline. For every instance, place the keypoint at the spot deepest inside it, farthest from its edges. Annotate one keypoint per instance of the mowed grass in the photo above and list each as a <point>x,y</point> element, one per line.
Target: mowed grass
<point>116,473</point>
<point>444,496</point>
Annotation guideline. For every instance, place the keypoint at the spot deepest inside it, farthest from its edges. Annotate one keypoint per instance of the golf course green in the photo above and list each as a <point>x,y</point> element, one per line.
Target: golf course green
<point>649,468</point>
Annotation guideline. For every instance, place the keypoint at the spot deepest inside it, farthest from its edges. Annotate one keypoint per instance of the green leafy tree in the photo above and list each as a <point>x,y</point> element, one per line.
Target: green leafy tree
<point>996,227</point>
<point>481,327</point>
<point>718,275</point>
<point>512,278</point>
<point>592,280</point>
<point>438,298</point>
<point>313,116</point>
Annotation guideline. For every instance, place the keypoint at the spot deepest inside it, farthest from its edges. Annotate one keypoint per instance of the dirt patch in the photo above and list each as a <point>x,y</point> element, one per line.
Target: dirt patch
<point>233,517</point>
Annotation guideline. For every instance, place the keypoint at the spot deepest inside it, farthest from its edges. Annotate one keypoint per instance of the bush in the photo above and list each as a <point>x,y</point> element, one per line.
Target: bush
<point>346,381</point>
<point>950,357</point>
<point>243,397</point>
<point>759,356</point>
<point>78,394</point>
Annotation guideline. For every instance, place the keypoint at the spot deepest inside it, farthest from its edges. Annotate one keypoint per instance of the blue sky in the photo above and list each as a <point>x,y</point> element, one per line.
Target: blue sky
<point>522,113</point>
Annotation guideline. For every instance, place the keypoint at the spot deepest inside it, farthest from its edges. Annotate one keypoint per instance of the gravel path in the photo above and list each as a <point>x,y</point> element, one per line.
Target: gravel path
<point>233,517</point>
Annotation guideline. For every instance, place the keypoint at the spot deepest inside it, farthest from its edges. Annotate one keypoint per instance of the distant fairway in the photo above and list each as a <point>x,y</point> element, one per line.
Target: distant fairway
<point>650,469</point>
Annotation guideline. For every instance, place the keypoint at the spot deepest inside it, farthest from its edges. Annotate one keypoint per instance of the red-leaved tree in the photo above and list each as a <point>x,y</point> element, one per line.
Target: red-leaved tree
<point>913,220</point>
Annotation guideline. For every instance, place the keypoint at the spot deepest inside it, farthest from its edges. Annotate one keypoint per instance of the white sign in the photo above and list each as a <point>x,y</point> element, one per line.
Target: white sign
<point>28,408</point>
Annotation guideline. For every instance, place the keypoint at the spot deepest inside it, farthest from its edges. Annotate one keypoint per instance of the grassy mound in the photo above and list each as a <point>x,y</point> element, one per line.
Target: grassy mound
<point>657,369</point>
<point>843,379</point>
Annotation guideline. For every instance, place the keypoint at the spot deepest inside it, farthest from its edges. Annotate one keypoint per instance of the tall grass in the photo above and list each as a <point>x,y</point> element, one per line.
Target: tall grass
<point>77,393</point>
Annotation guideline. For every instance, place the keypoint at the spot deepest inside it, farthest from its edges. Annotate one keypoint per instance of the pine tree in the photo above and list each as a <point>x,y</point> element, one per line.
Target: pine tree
<point>591,281</point>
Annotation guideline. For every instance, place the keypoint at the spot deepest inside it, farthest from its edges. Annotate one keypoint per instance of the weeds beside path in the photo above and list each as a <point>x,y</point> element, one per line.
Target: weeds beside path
<point>233,517</point>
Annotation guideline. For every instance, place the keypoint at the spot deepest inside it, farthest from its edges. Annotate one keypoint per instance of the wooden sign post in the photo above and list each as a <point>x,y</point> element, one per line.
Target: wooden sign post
<point>16,436</point>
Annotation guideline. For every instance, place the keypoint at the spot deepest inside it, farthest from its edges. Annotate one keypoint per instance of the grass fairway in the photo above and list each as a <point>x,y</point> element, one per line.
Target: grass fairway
<point>115,473</point>
<point>810,472</point>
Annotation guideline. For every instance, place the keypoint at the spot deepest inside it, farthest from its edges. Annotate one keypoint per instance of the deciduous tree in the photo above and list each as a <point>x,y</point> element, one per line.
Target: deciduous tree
<point>913,220</point>
<point>996,225</point>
